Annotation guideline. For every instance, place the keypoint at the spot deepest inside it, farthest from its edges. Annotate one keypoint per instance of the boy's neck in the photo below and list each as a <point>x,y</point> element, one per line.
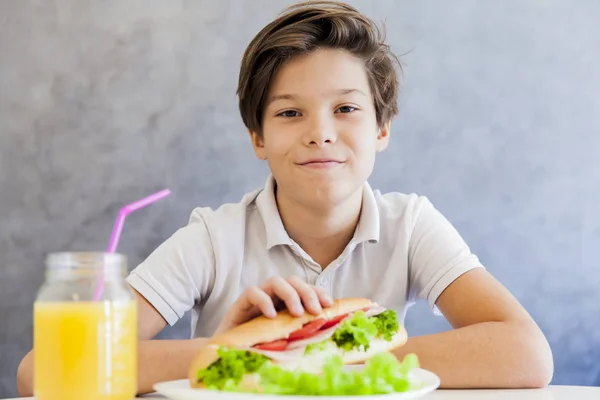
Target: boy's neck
<point>323,233</point>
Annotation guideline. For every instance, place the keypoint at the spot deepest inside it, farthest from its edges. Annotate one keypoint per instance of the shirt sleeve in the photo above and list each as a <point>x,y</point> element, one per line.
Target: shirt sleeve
<point>437,255</point>
<point>179,272</point>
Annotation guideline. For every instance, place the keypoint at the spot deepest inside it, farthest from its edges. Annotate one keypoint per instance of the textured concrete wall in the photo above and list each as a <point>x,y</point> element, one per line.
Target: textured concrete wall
<point>103,102</point>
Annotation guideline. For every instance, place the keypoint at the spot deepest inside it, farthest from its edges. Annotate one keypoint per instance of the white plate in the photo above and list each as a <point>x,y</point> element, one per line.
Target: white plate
<point>180,390</point>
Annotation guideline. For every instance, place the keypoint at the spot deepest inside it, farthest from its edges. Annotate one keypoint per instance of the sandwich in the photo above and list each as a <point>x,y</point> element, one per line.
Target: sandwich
<point>310,354</point>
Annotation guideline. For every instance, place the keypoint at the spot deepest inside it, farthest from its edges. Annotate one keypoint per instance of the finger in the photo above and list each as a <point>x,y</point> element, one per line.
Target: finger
<point>324,297</point>
<point>308,294</point>
<point>250,304</point>
<point>277,287</point>
<point>255,299</point>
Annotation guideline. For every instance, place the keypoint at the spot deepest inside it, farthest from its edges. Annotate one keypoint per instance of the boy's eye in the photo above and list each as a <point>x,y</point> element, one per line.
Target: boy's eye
<point>346,109</point>
<point>289,114</point>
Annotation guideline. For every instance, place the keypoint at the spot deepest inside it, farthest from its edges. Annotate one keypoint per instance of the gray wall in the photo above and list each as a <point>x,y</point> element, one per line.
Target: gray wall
<point>104,102</point>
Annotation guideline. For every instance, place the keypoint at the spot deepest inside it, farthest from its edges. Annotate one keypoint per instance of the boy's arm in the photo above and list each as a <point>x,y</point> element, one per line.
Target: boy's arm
<point>160,360</point>
<point>494,343</point>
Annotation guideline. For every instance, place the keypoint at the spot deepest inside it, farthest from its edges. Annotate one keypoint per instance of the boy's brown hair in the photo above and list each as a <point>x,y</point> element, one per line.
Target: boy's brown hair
<point>306,27</point>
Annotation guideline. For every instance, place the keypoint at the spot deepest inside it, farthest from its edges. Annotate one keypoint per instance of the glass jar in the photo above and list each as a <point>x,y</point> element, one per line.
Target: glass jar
<point>85,329</point>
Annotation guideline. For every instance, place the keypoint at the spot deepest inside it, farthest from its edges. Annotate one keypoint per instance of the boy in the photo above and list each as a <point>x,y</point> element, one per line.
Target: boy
<point>318,91</point>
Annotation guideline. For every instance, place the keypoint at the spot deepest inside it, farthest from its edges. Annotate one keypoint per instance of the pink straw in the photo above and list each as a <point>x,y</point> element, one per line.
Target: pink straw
<point>118,227</point>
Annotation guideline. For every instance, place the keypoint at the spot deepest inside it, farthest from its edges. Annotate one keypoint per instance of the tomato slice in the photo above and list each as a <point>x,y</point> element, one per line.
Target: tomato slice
<point>334,321</point>
<point>307,330</point>
<point>276,345</point>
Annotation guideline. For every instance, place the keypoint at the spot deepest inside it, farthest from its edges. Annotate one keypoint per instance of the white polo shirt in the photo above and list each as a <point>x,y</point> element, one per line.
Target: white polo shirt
<point>403,250</point>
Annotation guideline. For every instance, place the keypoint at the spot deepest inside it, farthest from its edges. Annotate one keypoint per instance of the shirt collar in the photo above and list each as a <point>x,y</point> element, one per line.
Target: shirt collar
<point>267,206</point>
<point>367,229</point>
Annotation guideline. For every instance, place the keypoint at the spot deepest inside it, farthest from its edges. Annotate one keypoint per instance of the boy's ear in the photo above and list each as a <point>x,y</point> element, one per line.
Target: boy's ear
<point>383,137</point>
<point>258,144</point>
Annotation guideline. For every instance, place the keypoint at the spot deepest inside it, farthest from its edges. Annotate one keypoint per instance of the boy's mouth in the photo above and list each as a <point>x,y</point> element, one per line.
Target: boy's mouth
<point>320,163</point>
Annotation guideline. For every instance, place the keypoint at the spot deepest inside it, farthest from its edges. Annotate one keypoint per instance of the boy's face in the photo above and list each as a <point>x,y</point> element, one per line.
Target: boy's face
<point>320,132</point>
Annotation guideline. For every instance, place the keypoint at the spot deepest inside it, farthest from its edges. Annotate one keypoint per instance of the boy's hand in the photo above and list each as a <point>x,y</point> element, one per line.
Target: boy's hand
<point>291,293</point>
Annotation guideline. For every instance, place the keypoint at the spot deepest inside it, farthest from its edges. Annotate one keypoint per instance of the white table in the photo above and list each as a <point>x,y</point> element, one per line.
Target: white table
<point>549,393</point>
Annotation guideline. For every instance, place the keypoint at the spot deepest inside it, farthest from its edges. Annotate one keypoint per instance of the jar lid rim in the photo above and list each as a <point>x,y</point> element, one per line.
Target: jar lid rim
<point>71,260</point>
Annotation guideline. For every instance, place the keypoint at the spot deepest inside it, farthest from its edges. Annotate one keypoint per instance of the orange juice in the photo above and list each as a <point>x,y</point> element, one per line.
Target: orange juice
<point>85,350</point>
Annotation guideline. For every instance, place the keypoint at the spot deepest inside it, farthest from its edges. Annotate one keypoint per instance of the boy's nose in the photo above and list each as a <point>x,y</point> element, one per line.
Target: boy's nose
<point>320,132</point>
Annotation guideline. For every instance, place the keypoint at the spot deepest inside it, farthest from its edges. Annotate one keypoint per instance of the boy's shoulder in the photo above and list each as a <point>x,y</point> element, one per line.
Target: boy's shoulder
<point>393,205</point>
<point>227,211</point>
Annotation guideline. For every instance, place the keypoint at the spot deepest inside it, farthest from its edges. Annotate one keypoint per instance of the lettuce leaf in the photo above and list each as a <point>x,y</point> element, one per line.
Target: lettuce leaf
<point>386,324</point>
<point>227,372</point>
<point>382,374</point>
<point>358,331</point>
<point>319,346</point>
